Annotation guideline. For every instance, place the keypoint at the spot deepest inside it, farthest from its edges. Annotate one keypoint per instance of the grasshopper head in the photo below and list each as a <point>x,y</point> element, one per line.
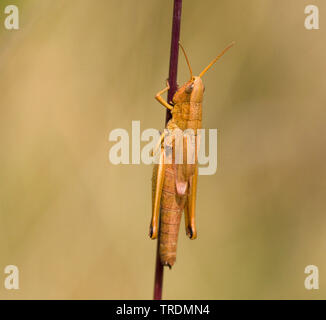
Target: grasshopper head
<point>193,89</point>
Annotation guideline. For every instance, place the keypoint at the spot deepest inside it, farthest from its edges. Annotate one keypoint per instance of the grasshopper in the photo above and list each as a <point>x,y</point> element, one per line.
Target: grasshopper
<point>174,185</point>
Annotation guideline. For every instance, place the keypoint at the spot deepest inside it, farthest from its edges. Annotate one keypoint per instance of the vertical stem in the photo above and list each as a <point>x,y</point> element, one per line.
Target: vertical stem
<point>173,71</point>
<point>174,53</point>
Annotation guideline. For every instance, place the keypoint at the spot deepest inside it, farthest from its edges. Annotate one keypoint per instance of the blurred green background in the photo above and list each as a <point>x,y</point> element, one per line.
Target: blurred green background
<point>77,226</point>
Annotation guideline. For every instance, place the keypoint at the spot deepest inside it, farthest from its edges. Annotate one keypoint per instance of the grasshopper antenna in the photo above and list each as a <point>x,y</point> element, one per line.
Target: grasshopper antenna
<point>184,52</point>
<point>217,58</point>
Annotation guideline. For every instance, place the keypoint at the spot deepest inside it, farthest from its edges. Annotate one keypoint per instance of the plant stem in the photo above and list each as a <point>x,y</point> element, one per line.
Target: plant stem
<point>173,71</point>
<point>174,53</point>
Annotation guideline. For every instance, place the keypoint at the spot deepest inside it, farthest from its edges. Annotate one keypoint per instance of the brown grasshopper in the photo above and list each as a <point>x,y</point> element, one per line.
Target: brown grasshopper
<point>174,185</point>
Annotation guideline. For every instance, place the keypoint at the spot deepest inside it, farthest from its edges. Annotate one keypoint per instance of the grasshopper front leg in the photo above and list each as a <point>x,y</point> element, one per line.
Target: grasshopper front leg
<point>157,185</point>
<point>160,99</point>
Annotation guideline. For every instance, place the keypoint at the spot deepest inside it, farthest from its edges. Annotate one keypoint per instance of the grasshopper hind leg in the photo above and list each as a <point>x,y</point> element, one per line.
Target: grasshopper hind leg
<point>190,208</point>
<point>157,185</point>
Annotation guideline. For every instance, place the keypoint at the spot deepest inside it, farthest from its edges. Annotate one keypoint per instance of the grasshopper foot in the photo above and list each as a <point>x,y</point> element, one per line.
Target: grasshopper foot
<point>192,233</point>
<point>152,232</point>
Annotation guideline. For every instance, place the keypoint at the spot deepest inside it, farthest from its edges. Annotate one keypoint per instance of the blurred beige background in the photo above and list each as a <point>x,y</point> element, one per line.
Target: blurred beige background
<point>76,225</point>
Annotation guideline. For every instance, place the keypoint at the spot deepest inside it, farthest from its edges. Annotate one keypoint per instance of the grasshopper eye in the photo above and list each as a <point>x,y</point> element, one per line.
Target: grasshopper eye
<point>189,88</point>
